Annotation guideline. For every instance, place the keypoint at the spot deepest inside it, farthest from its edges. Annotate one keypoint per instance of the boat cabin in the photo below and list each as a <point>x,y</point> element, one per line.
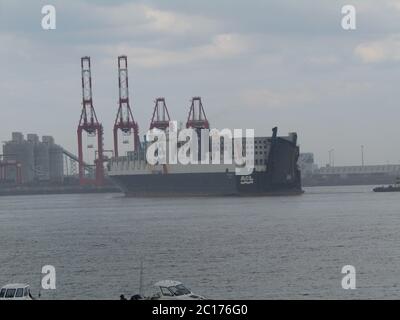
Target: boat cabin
<point>173,290</point>
<point>15,291</point>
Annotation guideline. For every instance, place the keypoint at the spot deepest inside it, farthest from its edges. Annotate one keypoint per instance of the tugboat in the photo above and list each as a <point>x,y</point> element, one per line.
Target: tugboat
<point>391,188</point>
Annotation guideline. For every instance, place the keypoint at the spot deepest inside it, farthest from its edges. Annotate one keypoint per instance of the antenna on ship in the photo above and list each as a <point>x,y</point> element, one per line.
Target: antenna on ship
<point>141,278</point>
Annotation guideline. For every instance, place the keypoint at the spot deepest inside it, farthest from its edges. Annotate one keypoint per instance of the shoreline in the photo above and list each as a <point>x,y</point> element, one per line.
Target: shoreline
<point>50,190</point>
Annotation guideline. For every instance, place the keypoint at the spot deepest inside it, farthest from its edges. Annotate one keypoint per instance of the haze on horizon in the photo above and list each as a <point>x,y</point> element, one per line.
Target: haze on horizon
<point>256,64</point>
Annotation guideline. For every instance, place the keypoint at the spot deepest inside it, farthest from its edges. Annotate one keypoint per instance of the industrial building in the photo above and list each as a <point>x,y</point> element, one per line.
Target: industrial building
<point>306,164</point>
<point>329,175</point>
<point>38,160</point>
<point>354,175</point>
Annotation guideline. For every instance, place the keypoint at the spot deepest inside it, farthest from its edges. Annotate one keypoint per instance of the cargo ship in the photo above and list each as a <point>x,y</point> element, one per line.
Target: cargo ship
<point>275,172</point>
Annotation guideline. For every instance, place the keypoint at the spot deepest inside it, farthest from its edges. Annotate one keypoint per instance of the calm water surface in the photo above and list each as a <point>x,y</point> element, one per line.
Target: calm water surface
<point>240,248</point>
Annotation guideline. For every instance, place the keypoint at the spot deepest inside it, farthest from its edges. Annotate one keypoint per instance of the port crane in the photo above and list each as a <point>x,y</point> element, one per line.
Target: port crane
<point>160,118</point>
<point>124,121</point>
<point>16,165</point>
<point>89,123</point>
<point>197,117</point>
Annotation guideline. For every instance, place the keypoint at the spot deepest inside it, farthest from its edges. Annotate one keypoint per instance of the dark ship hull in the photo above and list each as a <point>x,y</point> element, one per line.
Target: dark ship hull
<point>280,176</point>
<point>203,184</point>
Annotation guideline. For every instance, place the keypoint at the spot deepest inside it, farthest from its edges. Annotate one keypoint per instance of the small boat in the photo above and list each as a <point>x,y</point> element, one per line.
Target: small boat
<point>165,290</point>
<point>168,290</point>
<point>173,290</point>
<point>16,291</point>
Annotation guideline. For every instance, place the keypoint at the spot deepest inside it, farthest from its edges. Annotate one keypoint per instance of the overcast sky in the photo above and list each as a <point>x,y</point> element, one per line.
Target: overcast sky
<point>256,64</point>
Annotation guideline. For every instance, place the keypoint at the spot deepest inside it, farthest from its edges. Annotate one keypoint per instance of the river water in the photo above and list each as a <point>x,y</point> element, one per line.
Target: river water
<point>222,248</point>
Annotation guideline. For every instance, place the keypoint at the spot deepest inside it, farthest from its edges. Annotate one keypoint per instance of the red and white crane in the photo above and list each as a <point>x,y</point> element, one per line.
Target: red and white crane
<point>197,117</point>
<point>89,123</point>
<point>124,120</point>
<point>160,118</point>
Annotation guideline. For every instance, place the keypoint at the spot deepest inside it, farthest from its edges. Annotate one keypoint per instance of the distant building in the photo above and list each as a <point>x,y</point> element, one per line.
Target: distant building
<point>306,164</point>
<point>18,149</point>
<point>40,160</point>
<point>354,175</point>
